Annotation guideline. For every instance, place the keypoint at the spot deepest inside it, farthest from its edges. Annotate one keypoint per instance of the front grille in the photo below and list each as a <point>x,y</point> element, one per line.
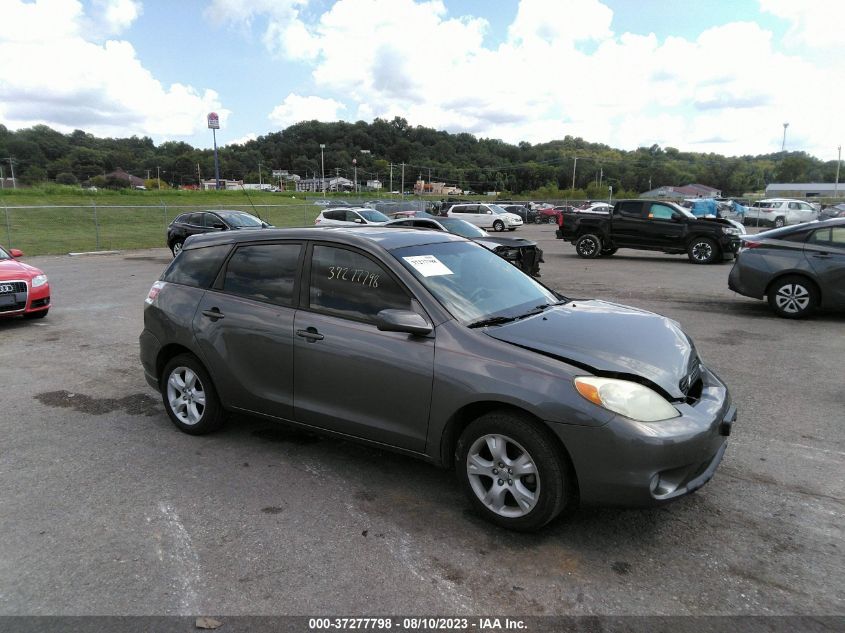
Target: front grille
<point>15,289</point>
<point>8,287</point>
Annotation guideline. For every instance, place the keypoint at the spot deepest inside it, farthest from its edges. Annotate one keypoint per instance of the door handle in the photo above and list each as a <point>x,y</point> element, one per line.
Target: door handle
<point>311,334</point>
<point>213,314</point>
<point>821,255</point>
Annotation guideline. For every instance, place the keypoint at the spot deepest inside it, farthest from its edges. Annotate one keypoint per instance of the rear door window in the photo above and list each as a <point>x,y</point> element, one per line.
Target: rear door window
<point>196,267</point>
<point>264,272</point>
<point>632,209</point>
<point>348,284</point>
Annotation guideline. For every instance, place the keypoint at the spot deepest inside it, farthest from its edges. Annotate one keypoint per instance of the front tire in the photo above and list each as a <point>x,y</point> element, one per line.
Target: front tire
<point>793,297</point>
<point>513,472</point>
<point>588,246</point>
<point>498,226</point>
<point>552,220</point>
<point>703,250</point>
<point>189,396</point>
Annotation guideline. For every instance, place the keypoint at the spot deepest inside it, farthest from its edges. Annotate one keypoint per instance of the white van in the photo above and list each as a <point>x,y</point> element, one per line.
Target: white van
<point>486,216</point>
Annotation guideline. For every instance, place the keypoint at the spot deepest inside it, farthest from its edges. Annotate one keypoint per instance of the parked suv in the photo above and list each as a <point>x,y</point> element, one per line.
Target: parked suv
<point>778,212</point>
<point>199,222</point>
<point>351,216</point>
<point>486,216</point>
<point>426,343</point>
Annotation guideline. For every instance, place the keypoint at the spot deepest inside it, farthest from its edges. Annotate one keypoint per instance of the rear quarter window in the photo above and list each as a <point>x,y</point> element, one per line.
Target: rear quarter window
<point>196,267</point>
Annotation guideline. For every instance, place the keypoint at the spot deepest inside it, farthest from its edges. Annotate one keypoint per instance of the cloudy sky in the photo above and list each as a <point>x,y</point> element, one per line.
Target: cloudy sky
<point>711,75</point>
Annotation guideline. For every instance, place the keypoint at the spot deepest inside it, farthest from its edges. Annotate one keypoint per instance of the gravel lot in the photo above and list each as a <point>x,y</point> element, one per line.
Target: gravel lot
<point>105,508</point>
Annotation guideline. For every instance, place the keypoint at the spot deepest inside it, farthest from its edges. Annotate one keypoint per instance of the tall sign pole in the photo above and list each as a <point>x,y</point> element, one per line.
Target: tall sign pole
<point>214,125</point>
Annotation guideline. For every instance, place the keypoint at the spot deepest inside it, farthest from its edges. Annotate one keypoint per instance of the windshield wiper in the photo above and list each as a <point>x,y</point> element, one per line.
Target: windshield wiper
<point>496,320</point>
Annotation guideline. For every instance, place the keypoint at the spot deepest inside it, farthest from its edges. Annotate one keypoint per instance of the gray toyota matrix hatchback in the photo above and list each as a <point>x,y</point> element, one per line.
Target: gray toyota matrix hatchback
<point>428,344</point>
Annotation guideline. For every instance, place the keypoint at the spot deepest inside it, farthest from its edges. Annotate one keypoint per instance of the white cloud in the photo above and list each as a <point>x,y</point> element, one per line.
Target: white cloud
<point>814,23</point>
<point>246,138</point>
<point>296,108</point>
<point>68,81</point>
<point>727,90</point>
<point>115,16</point>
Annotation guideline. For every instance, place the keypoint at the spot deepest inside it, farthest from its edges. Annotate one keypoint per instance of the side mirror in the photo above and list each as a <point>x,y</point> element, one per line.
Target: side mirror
<point>219,225</point>
<point>14,252</point>
<point>676,217</point>
<point>358,220</point>
<point>402,321</point>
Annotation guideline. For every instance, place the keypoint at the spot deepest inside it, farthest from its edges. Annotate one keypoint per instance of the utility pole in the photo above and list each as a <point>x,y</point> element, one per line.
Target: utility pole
<point>158,176</point>
<point>199,176</point>
<point>838,160</point>
<point>403,180</point>
<point>574,165</point>
<point>148,174</point>
<point>601,175</point>
<point>2,178</point>
<point>259,175</point>
<point>323,167</point>
<point>391,177</point>
<point>355,175</point>
<point>12,166</point>
<point>783,145</point>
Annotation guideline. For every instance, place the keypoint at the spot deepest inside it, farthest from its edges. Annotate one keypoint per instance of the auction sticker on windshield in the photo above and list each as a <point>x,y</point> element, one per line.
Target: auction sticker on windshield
<point>428,265</point>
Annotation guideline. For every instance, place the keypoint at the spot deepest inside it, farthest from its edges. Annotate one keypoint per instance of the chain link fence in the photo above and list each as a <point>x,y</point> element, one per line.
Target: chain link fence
<point>60,229</point>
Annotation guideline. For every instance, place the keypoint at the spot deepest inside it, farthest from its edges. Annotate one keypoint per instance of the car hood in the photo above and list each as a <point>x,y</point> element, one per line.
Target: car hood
<point>493,243</point>
<point>608,339</point>
<point>13,269</point>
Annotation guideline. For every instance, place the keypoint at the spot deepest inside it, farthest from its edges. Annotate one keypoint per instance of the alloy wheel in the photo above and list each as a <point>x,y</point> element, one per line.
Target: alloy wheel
<point>792,298</point>
<point>186,395</point>
<point>702,251</point>
<point>503,476</point>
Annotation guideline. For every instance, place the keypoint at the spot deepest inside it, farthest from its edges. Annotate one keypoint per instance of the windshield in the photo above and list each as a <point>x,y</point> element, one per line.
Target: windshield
<point>472,283</point>
<point>238,219</point>
<point>462,227</point>
<point>496,208</point>
<point>371,215</point>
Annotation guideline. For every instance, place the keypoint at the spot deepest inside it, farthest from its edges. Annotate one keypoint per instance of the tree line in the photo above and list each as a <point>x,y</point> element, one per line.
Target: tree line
<point>382,149</point>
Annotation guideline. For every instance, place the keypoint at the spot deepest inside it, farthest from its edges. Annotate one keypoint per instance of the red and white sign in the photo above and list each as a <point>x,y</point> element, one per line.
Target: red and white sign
<point>213,121</point>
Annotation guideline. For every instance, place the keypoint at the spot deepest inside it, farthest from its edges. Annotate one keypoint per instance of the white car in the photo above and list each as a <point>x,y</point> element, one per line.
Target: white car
<point>486,216</point>
<point>779,212</point>
<point>595,207</point>
<point>347,216</point>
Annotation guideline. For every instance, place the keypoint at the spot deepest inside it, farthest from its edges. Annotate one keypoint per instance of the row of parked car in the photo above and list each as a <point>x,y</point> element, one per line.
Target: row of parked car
<point>797,267</point>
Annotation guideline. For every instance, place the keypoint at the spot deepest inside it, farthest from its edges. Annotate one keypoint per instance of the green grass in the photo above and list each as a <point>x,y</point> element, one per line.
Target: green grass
<point>109,220</point>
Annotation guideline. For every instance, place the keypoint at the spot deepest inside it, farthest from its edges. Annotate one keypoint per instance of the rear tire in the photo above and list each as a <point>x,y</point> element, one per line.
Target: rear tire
<point>793,297</point>
<point>176,247</point>
<point>779,222</point>
<point>189,396</point>
<point>552,220</point>
<point>588,246</point>
<point>703,250</point>
<point>513,472</point>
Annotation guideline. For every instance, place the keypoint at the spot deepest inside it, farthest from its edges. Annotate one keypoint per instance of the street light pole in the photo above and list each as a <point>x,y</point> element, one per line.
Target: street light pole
<point>783,145</point>
<point>574,165</point>
<point>838,160</point>
<point>355,175</point>
<point>323,168</point>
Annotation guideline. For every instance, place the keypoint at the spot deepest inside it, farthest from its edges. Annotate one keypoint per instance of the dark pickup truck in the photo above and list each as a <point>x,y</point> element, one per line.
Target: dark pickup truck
<point>651,225</point>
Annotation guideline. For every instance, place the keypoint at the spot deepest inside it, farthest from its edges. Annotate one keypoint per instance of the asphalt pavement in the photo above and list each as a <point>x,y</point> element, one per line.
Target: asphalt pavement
<point>105,508</point>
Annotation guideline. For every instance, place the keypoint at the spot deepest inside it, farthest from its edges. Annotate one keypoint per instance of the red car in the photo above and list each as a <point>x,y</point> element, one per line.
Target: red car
<point>23,288</point>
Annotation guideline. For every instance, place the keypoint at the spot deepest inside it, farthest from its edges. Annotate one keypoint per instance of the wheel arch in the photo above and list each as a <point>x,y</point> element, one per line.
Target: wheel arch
<point>171,351</point>
<point>469,412</point>
<point>795,273</point>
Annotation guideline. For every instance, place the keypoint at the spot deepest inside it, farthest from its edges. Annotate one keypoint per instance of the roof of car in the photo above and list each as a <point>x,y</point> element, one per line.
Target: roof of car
<point>387,238</point>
